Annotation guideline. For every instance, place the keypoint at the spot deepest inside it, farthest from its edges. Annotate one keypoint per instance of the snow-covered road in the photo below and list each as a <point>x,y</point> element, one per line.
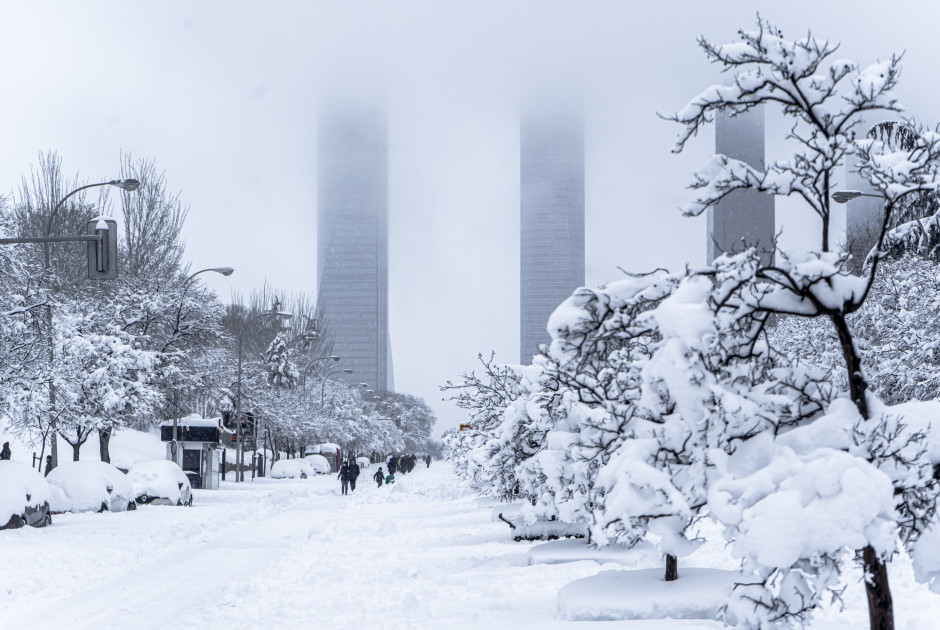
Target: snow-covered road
<point>279,554</point>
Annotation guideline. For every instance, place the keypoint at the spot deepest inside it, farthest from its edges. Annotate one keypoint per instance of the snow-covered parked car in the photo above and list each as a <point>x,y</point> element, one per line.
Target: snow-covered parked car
<point>320,464</point>
<point>292,469</point>
<point>24,496</point>
<point>363,462</point>
<point>160,482</point>
<point>90,486</point>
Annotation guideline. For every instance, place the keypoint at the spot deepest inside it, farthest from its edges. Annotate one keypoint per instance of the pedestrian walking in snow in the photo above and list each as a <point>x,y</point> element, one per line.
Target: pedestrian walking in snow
<point>353,474</point>
<point>392,466</point>
<point>5,453</point>
<point>48,466</point>
<point>344,477</point>
<point>379,477</point>
<point>427,460</point>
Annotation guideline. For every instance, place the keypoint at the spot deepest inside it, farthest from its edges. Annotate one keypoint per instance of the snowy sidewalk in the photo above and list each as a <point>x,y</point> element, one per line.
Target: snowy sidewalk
<point>421,554</point>
<point>288,553</point>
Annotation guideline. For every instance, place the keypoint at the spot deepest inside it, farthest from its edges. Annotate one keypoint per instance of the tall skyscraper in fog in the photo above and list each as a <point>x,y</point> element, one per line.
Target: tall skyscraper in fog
<point>552,219</point>
<point>745,218</point>
<point>352,240</point>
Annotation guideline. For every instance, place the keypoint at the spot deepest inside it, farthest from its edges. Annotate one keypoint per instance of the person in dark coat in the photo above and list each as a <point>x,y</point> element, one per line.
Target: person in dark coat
<point>344,477</point>
<point>5,453</point>
<point>379,477</point>
<point>353,474</point>
<point>48,465</point>
<point>392,466</point>
<point>427,460</point>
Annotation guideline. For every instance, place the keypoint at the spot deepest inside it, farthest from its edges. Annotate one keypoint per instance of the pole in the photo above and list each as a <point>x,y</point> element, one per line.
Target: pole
<point>125,184</point>
<point>238,412</point>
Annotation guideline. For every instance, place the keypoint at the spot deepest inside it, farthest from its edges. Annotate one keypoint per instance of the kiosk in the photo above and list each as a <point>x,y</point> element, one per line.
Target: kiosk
<point>195,448</point>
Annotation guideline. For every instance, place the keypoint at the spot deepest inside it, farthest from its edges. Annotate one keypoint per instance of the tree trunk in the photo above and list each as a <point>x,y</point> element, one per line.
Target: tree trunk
<point>104,441</point>
<point>672,568</point>
<point>858,384</point>
<point>75,449</point>
<point>880,607</point>
<point>877,588</point>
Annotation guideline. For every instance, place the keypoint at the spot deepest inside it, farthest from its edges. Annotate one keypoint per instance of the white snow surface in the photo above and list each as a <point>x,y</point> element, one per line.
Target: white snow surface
<point>422,554</point>
<point>82,486</point>
<point>699,593</point>
<point>194,420</point>
<point>575,549</point>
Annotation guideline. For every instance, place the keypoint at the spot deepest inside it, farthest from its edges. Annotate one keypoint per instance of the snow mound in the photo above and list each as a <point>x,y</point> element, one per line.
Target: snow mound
<point>20,487</point>
<point>523,528</point>
<point>644,594</point>
<point>320,464</point>
<point>292,468</point>
<point>83,487</point>
<point>575,549</point>
<point>159,478</point>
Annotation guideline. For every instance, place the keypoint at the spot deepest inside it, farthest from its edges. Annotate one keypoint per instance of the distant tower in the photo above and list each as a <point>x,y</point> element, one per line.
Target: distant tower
<point>352,240</point>
<point>744,218</point>
<point>552,220</point>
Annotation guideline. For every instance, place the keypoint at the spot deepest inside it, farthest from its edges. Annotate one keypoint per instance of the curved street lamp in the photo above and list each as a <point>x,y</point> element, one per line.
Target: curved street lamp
<point>124,184</point>
<point>128,185</point>
<point>845,196</point>
<point>306,371</point>
<point>280,316</point>
<point>328,375</point>
<point>225,271</point>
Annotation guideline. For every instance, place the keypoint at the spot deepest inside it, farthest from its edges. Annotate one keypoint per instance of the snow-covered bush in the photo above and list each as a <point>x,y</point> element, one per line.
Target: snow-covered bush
<point>824,97</point>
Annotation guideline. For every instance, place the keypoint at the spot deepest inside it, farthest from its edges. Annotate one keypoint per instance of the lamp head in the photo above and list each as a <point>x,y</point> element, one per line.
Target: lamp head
<point>126,184</point>
<point>844,196</point>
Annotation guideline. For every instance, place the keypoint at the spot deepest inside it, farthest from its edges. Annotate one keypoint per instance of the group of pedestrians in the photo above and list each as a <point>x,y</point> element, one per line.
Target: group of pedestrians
<point>349,471</point>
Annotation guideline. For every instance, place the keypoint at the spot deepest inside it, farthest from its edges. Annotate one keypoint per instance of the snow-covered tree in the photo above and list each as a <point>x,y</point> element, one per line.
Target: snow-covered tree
<point>484,398</point>
<point>824,97</point>
<point>101,376</point>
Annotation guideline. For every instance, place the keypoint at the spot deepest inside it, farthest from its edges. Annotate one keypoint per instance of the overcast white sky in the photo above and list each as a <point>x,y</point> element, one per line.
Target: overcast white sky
<point>223,96</point>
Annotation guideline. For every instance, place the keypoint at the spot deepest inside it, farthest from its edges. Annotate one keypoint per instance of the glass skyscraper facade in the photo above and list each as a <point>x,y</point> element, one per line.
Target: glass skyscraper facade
<point>552,220</point>
<point>745,218</point>
<point>352,241</point>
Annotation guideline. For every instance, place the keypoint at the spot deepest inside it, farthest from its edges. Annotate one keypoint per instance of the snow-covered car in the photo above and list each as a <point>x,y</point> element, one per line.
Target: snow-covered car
<point>292,469</point>
<point>160,482</point>
<point>90,486</point>
<point>363,462</point>
<point>319,463</point>
<point>24,496</point>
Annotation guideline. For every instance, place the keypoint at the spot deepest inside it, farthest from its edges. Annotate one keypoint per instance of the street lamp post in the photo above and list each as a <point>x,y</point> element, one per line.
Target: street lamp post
<point>313,363</point>
<point>124,184</point>
<point>225,271</point>
<point>845,196</point>
<point>239,457</point>
<point>328,375</point>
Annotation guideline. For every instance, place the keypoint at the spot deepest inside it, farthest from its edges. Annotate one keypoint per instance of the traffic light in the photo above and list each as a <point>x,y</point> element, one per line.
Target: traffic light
<point>102,253</point>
